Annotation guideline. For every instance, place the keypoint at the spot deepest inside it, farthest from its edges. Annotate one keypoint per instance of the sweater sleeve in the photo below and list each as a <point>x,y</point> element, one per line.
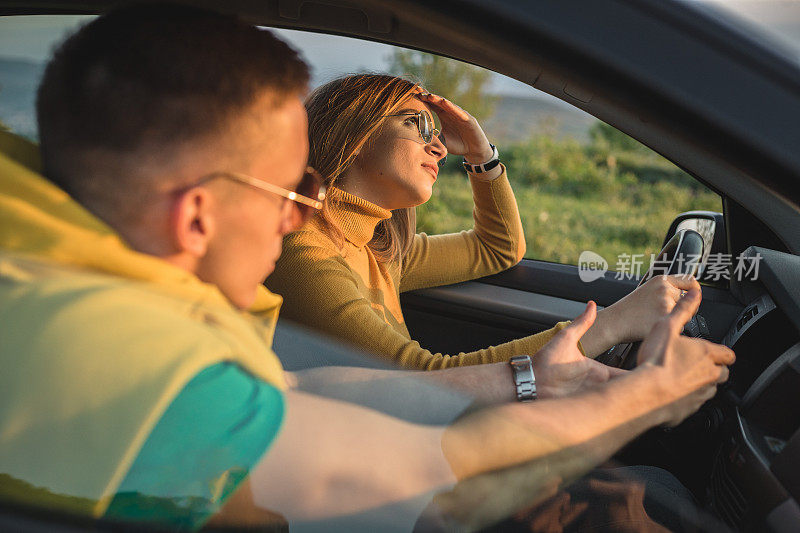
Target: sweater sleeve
<point>321,291</point>
<point>495,243</point>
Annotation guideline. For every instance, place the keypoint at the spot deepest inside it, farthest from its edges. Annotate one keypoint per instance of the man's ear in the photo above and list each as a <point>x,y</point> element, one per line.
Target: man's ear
<point>192,222</point>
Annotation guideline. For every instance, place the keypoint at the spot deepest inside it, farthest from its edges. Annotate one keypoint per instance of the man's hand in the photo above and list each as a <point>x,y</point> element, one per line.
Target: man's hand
<point>561,369</point>
<point>632,317</point>
<point>687,371</point>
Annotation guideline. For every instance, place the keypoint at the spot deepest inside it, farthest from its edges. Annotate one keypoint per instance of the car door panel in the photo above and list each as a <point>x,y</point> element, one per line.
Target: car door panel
<point>529,298</point>
<point>472,315</point>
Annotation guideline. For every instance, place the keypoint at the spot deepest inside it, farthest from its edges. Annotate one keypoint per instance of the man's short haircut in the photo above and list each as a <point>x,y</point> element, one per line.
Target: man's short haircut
<point>151,75</point>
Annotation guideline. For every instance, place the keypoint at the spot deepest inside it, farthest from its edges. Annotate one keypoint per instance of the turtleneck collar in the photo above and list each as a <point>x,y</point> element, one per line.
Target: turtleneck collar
<point>356,217</point>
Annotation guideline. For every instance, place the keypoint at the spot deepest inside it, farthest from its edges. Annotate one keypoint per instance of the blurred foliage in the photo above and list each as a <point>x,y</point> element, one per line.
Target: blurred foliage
<point>461,83</point>
<point>612,196</point>
<point>604,134</point>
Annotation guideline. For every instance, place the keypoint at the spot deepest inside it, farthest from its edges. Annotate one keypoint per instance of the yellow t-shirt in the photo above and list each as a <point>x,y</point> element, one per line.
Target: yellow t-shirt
<point>96,340</point>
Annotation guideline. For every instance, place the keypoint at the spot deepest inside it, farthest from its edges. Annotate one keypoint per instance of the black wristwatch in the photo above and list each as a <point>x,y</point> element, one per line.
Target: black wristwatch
<point>484,167</point>
<point>524,380</point>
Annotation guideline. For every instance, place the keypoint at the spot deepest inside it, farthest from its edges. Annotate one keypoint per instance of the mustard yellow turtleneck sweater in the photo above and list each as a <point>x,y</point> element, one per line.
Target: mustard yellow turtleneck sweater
<point>349,294</point>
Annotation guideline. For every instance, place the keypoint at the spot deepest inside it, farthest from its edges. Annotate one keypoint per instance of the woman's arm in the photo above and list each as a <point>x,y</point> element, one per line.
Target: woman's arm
<point>321,291</point>
<point>496,241</point>
<point>558,373</point>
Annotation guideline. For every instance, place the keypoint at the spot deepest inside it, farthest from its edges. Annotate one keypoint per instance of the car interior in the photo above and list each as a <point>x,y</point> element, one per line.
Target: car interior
<point>721,106</point>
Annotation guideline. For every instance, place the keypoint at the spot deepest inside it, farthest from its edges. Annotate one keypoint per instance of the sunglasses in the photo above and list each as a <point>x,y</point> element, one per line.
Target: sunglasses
<point>425,124</point>
<point>307,196</point>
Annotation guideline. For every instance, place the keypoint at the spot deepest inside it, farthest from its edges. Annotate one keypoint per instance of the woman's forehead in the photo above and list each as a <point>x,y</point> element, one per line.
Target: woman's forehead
<point>412,104</point>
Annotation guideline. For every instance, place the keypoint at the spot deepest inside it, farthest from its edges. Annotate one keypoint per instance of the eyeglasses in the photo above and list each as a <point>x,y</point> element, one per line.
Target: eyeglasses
<point>308,196</point>
<point>425,124</point>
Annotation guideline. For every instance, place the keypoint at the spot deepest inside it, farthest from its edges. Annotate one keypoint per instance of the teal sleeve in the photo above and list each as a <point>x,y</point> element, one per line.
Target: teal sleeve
<point>204,445</point>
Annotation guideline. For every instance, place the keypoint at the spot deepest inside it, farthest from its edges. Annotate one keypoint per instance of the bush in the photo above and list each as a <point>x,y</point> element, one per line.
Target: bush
<point>606,197</point>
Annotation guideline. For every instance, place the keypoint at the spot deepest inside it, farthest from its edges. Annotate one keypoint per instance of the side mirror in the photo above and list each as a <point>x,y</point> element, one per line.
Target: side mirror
<point>709,224</point>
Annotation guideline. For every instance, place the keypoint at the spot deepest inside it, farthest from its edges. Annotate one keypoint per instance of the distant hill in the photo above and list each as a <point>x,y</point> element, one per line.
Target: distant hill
<point>517,118</point>
<point>514,120</point>
<point>18,81</point>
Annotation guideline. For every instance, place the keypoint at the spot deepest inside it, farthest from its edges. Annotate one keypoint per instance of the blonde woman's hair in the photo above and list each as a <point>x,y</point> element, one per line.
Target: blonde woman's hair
<point>342,116</point>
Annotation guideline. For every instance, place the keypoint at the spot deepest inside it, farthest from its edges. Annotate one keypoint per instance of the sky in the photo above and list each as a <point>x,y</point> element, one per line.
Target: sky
<point>33,38</point>
<point>332,56</point>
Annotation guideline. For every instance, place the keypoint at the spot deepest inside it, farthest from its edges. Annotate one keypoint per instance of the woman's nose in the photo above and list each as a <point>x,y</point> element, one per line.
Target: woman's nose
<point>436,147</point>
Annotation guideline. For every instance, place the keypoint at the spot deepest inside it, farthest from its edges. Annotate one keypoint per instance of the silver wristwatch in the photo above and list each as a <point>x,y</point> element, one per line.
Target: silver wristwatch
<point>524,380</point>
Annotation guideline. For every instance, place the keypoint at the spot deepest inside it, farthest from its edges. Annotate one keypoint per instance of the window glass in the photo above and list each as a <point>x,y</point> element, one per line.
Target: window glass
<point>26,43</point>
<point>580,184</point>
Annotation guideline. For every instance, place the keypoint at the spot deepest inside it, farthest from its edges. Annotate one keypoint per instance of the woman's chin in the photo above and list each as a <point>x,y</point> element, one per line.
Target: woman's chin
<point>413,198</point>
<point>424,195</point>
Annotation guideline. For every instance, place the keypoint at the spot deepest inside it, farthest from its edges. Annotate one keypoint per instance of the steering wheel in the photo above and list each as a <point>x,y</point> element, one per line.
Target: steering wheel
<point>672,260</point>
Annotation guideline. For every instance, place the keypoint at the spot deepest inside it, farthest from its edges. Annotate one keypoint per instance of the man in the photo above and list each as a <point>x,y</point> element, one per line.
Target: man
<point>137,387</point>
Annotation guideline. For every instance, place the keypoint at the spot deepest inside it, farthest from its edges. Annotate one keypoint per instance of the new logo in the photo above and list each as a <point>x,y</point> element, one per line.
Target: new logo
<point>591,266</point>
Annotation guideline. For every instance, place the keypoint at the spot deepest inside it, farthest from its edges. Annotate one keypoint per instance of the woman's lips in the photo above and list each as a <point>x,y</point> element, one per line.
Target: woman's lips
<point>432,168</point>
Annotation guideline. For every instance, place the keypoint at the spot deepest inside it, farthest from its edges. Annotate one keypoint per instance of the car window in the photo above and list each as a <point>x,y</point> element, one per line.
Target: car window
<point>580,184</point>
<point>26,43</point>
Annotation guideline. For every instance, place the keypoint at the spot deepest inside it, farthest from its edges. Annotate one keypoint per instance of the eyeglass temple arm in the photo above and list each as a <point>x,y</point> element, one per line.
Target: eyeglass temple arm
<point>291,195</point>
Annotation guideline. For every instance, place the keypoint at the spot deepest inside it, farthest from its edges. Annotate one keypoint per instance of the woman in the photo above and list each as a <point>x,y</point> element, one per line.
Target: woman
<point>372,138</point>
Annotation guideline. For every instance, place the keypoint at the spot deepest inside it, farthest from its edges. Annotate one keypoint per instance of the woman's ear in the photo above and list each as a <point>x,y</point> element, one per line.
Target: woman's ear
<point>192,222</point>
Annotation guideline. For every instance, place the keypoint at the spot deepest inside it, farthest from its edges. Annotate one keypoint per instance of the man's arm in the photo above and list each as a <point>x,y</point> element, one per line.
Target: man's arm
<point>485,384</point>
<point>333,458</point>
<point>558,373</point>
<point>675,376</point>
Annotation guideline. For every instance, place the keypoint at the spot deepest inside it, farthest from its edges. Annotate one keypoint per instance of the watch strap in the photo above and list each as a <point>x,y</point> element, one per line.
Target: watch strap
<point>484,167</point>
<point>524,380</point>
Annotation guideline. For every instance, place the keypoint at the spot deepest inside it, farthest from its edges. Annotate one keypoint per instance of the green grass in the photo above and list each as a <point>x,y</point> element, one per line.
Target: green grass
<point>573,197</point>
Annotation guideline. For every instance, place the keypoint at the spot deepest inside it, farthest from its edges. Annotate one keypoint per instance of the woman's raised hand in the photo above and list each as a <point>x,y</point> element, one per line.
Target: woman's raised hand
<point>462,133</point>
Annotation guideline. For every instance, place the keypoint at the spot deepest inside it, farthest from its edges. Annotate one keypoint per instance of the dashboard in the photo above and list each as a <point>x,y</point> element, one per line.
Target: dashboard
<point>756,474</point>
